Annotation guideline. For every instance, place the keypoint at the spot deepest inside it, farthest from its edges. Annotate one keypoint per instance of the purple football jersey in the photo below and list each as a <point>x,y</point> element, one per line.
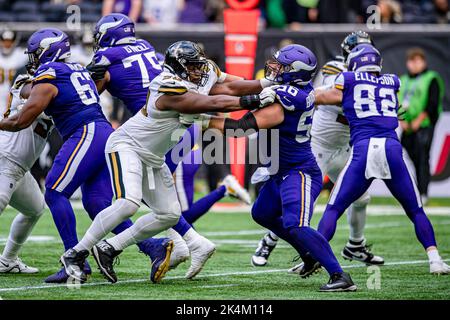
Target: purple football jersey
<point>132,67</point>
<point>370,104</point>
<point>294,131</point>
<point>77,101</point>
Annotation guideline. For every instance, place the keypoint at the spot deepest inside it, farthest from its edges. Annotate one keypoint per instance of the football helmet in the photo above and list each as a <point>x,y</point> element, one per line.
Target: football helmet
<point>364,57</point>
<point>113,29</point>
<point>187,60</point>
<point>352,40</point>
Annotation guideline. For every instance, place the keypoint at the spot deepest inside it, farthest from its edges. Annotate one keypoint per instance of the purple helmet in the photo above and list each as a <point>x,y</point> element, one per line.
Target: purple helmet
<point>45,45</point>
<point>292,63</point>
<point>364,57</point>
<point>113,29</point>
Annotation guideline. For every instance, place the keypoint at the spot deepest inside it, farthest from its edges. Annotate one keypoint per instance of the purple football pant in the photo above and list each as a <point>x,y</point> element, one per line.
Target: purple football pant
<point>352,183</point>
<point>285,206</point>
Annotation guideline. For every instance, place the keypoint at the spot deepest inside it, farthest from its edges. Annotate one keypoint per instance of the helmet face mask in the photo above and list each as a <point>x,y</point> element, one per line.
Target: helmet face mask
<point>273,70</point>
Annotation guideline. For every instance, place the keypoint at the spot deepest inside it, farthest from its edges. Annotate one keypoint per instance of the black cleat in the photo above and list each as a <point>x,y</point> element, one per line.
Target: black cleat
<point>73,262</point>
<point>308,267</point>
<point>105,254</point>
<point>361,252</point>
<point>339,282</point>
<point>262,253</point>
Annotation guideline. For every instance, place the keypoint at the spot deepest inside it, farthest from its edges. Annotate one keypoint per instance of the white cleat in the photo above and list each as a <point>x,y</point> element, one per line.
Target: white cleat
<point>439,267</point>
<point>201,250</point>
<point>234,189</point>
<point>180,251</point>
<point>296,269</point>
<point>15,266</point>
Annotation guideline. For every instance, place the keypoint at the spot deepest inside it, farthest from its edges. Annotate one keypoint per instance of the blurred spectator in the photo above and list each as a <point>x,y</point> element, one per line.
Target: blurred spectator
<point>418,11</point>
<point>164,13</point>
<point>214,10</point>
<point>300,11</point>
<point>390,11</point>
<point>442,11</point>
<point>274,12</point>
<point>193,12</point>
<point>12,58</point>
<point>131,8</point>
<point>421,95</point>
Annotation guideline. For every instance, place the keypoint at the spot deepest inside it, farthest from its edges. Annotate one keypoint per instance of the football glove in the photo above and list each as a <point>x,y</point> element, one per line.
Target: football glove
<point>96,71</point>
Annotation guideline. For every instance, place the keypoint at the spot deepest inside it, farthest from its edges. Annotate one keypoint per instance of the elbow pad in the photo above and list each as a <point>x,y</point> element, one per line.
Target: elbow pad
<point>248,121</point>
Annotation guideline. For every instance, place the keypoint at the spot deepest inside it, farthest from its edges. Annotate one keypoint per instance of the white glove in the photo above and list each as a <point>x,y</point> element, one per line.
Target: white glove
<point>267,96</point>
<point>189,119</point>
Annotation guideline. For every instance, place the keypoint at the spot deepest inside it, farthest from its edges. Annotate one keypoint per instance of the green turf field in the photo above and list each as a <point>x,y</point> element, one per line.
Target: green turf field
<point>229,275</point>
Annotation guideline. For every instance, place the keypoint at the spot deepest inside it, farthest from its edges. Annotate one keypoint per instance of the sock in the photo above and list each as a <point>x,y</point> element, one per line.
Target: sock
<point>63,216</point>
<point>21,228</point>
<point>355,243</point>
<point>433,255</point>
<point>424,229</point>
<point>356,217</point>
<point>190,237</point>
<point>327,225</point>
<point>145,227</point>
<point>318,246</point>
<point>182,226</point>
<point>270,240</point>
<point>202,206</point>
<point>106,221</point>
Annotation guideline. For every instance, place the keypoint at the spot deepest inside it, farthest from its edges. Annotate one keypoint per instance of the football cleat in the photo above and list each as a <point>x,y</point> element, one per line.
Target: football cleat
<point>180,251</point>
<point>161,260</point>
<point>235,190</point>
<point>262,253</point>
<point>361,252</point>
<point>61,276</point>
<point>15,266</point>
<point>73,262</point>
<point>439,267</point>
<point>339,282</point>
<point>308,267</point>
<point>201,250</point>
<point>105,254</point>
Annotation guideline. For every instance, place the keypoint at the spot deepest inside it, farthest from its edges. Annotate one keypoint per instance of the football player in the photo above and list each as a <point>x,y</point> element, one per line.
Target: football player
<point>330,135</point>
<point>136,152</point>
<point>65,92</point>
<point>286,201</point>
<point>18,152</point>
<point>369,102</point>
<point>124,66</point>
<point>11,60</point>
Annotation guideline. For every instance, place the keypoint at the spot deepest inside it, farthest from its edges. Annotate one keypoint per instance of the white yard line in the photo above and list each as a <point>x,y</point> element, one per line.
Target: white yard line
<point>212,275</point>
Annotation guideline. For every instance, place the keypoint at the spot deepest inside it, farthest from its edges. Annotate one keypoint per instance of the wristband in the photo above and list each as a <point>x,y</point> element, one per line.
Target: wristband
<point>250,102</point>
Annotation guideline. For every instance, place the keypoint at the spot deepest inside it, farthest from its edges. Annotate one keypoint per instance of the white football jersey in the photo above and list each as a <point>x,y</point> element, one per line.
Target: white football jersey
<point>325,129</point>
<point>152,132</point>
<point>9,64</point>
<point>23,147</point>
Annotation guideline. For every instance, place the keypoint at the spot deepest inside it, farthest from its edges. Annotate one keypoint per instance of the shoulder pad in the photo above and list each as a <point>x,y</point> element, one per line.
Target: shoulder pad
<point>333,67</point>
<point>215,68</point>
<point>171,84</point>
<point>21,79</point>
<point>45,72</point>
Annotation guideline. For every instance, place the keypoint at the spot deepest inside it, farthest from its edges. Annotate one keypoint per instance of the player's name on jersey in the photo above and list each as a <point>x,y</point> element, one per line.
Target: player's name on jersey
<point>364,76</point>
<point>136,48</point>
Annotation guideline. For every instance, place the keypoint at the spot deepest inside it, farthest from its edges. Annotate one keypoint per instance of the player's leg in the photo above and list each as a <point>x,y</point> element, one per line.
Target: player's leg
<point>298,192</point>
<point>160,195</point>
<point>331,161</point>
<point>350,186</point>
<point>97,195</point>
<point>404,189</point>
<point>267,212</point>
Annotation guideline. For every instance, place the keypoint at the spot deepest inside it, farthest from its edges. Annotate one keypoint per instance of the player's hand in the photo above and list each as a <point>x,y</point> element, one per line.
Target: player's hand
<point>96,71</point>
<point>189,119</point>
<point>267,96</point>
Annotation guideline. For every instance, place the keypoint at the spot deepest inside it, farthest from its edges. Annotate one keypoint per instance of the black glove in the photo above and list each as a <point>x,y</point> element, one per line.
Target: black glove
<point>96,71</point>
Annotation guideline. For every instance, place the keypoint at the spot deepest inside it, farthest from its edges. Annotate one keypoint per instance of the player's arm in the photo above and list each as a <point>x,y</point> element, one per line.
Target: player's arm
<point>265,118</point>
<point>331,96</point>
<point>40,97</point>
<point>192,103</point>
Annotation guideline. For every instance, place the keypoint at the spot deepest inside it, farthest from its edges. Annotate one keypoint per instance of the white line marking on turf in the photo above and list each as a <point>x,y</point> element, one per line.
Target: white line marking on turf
<point>217,286</point>
<point>212,275</point>
<point>32,239</point>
